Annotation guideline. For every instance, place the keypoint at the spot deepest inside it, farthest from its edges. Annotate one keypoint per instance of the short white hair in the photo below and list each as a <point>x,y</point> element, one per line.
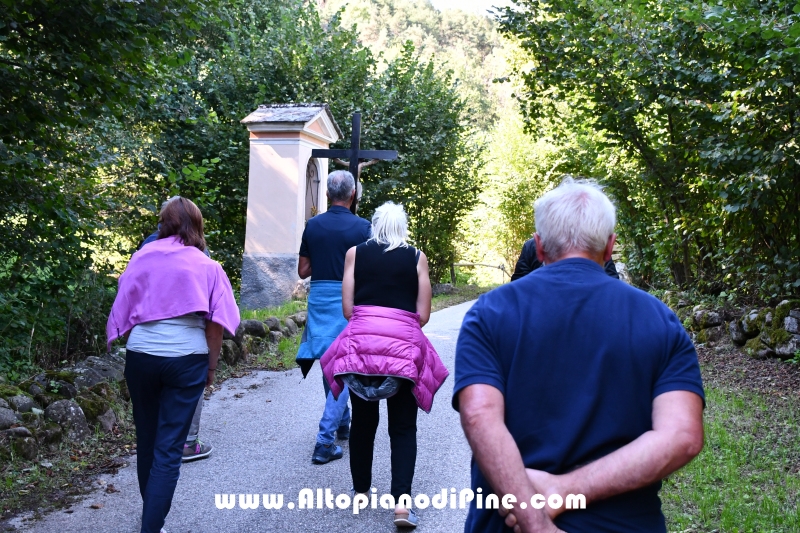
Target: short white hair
<point>390,226</point>
<point>576,216</point>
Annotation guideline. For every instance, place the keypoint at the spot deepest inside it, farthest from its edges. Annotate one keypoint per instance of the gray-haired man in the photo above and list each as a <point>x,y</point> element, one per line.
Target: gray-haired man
<point>570,382</point>
<point>326,239</point>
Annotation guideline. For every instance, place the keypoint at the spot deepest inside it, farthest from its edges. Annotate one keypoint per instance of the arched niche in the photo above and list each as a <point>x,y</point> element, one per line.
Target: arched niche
<point>312,204</point>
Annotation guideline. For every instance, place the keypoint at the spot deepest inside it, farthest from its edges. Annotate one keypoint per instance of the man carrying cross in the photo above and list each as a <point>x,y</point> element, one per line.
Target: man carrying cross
<point>326,239</point>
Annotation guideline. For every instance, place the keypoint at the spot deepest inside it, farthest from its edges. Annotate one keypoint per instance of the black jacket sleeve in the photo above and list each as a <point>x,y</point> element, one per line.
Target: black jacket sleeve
<point>527,261</point>
<point>611,269</point>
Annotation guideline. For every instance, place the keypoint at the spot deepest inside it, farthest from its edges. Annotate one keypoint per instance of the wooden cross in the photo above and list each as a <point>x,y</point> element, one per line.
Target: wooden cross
<point>354,153</point>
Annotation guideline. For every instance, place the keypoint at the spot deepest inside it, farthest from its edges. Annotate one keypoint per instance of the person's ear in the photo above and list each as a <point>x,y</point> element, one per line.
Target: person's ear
<point>609,248</point>
<point>539,248</point>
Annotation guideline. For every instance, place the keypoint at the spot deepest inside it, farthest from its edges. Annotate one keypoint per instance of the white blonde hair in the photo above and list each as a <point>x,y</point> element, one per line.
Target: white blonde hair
<point>390,226</point>
<point>575,216</point>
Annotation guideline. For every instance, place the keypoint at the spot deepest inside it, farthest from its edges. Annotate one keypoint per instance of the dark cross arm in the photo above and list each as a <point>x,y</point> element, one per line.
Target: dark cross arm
<point>388,155</point>
<point>354,153</point>
<point>362,154</point>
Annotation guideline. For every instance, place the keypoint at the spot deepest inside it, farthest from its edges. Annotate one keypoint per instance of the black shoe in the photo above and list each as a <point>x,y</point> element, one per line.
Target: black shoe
<point>325,454</point>
<point>343,433</point>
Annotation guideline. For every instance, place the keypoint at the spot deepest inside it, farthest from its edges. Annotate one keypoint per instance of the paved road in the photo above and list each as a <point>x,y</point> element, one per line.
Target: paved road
<point>263,428</point>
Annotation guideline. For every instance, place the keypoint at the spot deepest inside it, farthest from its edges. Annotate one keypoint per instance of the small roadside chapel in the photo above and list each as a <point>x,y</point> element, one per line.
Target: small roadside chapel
<point>286,187</point>
<point>289,154</point>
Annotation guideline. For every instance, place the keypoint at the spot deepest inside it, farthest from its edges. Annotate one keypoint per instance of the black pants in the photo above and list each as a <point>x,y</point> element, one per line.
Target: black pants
<point>164,394</point>
<point>402,409</point>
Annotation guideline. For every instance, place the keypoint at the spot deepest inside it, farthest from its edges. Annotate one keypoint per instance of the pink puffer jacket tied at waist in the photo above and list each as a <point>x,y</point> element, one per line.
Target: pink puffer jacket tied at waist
<point>381,341</point>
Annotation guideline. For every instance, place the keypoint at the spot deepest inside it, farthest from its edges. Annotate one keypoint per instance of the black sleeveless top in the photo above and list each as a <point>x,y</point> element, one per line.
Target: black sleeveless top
<point>387,279</point>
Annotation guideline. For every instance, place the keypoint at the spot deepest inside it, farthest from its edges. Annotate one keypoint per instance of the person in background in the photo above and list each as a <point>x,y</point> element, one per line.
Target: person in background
<point>382,353</point>
<point>571,383</point>
<point>171,306</point>
<point>326,239</point>
<point>194,448</point>
<point>528,262</point>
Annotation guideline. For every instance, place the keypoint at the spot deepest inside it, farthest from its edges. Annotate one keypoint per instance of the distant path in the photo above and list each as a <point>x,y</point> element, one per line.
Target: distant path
<point>262,444</point>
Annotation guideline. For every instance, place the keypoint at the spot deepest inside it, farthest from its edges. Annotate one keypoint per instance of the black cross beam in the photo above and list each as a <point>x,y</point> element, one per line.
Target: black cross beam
<point>354,154</point>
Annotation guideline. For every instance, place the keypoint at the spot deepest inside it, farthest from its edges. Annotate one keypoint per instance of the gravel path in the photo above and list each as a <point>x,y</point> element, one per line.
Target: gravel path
<point>263,428</point>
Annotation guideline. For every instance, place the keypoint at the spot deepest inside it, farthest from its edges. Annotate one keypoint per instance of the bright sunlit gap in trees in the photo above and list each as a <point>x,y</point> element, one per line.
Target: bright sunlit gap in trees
<point>479,7</point>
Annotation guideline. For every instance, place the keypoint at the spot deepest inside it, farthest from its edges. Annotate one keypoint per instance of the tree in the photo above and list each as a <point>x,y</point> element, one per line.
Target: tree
<point>189,138</point>
<point>62,66</point>
<point>466,43</point>
<point>266,52</point>
<point>417,111</point>
<point>110,108</point>
<point>701,101</point>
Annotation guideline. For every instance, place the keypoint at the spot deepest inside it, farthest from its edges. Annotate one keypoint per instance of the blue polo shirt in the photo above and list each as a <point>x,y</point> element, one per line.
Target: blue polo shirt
<point>579,357</point>
<point>327,238</point>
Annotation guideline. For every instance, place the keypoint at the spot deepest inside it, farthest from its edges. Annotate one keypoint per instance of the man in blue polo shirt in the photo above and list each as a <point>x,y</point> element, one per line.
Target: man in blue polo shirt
<point>326,239</point>
<point>571,382</point>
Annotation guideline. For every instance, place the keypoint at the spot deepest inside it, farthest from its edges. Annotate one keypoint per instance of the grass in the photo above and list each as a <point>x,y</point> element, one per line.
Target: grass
<point>746,479</point>
<point>282,311</point>
<point>282,356</point>
<point>463,293</point>
<point>278,358</point>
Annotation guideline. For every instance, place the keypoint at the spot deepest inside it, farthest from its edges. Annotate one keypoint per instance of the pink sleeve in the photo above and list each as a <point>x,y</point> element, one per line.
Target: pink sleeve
<point>223,309</point>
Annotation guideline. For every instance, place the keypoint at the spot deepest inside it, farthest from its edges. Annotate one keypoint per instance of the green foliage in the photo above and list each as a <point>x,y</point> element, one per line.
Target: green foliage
<point>251,53</point>
<point>468,44</point>
<point>108,109</point>
<point>438,175</point>
<point>281,52</point>
<point>693,114</point>
<point>280,312</point>
<point>65,66</point>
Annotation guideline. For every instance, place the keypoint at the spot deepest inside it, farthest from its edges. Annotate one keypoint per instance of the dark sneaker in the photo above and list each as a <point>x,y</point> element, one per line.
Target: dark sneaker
<point>196,450</point>
<point>343,433</point>
<point>324,454</point>
<point>406,518</point>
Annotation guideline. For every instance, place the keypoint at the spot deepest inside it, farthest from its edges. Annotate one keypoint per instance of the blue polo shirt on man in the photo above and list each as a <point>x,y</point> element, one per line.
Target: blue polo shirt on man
<point>327,238</point>
<point>579,357</point>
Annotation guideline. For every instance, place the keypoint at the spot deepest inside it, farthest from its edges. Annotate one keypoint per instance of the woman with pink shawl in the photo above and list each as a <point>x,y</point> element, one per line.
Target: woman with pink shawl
<point>172,305</point>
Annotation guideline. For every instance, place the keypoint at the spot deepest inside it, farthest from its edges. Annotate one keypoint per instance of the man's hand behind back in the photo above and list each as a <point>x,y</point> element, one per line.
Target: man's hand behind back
<point>676,438</point>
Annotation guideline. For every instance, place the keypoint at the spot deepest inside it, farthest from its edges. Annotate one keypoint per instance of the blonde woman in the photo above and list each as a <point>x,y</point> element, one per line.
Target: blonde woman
<point>383,354</point>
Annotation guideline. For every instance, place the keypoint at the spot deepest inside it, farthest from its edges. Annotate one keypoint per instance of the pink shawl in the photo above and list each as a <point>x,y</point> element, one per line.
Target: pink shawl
<point>166,279</point>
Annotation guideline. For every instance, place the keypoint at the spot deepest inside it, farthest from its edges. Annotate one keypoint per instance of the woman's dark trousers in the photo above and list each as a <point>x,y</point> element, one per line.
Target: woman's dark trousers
<point>402,409</point>
<point>164,394</point>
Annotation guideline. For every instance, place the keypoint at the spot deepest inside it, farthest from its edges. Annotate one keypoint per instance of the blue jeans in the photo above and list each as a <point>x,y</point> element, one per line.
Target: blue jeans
<point>335,415</point>
<point>164,394</point>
